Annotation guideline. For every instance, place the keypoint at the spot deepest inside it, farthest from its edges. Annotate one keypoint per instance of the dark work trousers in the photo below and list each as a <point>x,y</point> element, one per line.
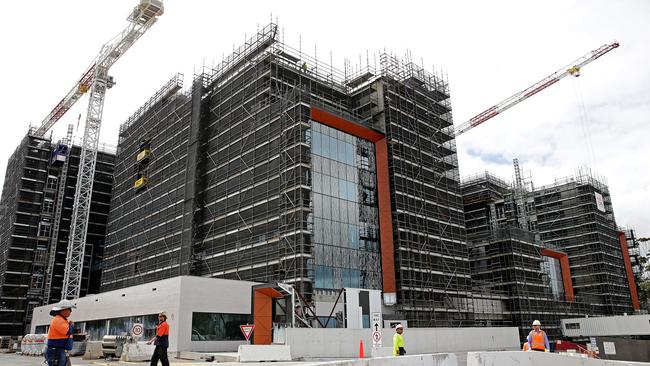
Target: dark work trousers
<point>56,356</point>
<point>159,354</point>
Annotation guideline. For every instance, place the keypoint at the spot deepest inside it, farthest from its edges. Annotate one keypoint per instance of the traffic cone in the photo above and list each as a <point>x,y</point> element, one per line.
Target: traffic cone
<point>361,355</point>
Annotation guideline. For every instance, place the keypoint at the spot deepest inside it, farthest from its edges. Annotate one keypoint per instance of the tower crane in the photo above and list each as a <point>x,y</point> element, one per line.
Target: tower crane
<point>96,80</point>
<point>572,69</point>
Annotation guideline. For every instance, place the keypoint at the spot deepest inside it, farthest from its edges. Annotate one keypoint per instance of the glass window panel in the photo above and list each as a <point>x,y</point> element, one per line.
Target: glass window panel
<point>327,232</point>
<point>351,173</point>
<point>336,234</point>
<point>352,191</point>
<point>341,170</point>
<point>354,236</point>
<point>325,167</point>
<point>318,205</point>
<point>316,143</point>
<point>341,151</point>
<point>317,163</point>
<point>345,235</point>
<point>333,148</point>
<point>355,275</point>
<point>327,184</point>
<point>318,230</point>
<point>327,207</point>
<point>325,145</point>
<point>317,182</point>
<point>335,210</point>
<point>343,189</point>
<point>343,210</point>
<point>335,187</point>
<point>218,327</point>
<point>353,212</point>
<point>349,154</point>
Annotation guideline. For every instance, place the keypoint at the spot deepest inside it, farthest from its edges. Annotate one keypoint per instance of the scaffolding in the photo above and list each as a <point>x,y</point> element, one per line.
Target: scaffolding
<point>509,272</point>
<point>249,214</point>
<point>37,200</point>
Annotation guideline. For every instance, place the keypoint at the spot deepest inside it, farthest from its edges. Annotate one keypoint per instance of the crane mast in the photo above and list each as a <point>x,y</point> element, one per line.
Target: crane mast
<point>571,69</point>
<point>96,80</point>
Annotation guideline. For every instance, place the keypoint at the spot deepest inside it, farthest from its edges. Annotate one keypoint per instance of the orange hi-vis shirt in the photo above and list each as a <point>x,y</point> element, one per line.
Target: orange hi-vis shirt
<point>60,333</point>
<point>162,334</point>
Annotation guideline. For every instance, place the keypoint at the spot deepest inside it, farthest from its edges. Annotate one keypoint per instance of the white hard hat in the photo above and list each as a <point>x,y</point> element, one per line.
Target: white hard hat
<point>64,304</point>
<point>537,322</point>
<point>398,326</point>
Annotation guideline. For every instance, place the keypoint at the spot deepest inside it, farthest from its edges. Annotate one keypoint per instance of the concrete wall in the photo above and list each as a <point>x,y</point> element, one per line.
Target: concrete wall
<point>625,349</point>
<point>209,295</point>
<point>178,296</point>
<point>537,359</point>
<point>312,342</point>
<point>608,326</point>
<point>130,301</point>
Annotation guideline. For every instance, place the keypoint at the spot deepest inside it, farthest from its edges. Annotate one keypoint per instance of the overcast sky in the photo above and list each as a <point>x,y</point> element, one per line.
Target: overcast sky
<point>489,49</point>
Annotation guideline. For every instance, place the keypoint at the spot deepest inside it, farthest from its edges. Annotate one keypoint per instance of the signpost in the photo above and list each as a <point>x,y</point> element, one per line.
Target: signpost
<point>247,330</point>
<point>376,330</point>
<point>137,329</point>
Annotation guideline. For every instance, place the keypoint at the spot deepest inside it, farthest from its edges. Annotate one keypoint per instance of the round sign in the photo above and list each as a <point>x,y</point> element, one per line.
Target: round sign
<point>137,330</point>
<point>376,336</point>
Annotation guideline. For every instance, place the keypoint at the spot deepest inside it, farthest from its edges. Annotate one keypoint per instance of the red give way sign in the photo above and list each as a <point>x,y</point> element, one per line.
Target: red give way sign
<point>247,330</point>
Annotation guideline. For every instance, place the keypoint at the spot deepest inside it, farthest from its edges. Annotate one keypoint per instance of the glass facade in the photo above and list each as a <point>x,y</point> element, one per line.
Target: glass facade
<point>345,212</point>
<point>553,274</point>
<point>219,327</point>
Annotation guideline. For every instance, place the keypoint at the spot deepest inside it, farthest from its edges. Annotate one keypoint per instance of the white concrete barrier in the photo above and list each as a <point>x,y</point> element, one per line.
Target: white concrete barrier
<point>93,351</point>
<point>209,356</point>
<point>259,353</point>
<point>137,352</point>
<point>341,342</point>
<point>436,359</point>
<point>382,352</point>
<point>537,359</point>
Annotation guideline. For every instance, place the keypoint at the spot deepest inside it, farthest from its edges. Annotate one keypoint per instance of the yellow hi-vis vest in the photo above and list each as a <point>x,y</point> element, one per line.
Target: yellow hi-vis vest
<point>398,341</point>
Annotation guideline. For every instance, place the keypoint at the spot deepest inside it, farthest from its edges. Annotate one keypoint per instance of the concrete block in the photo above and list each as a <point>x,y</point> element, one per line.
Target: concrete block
<point>137,352</point>
<point>93,350</point>
<point>209,356</point>
<point>259,353</point>
<point>382,352</point>
<point>520,358</point>
<point>436,359</point>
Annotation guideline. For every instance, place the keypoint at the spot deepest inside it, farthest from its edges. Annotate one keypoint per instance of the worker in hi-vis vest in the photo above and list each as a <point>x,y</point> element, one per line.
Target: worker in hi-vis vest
<point>398,341</point>
<point>59,336</point>
<point>161,340</point>
<point>537,339</point>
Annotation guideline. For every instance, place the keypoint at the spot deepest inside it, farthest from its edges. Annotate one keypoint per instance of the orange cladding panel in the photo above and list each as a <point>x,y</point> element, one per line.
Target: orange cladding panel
<point>628,270</point>
<point>385,218</point>
<point>262,318</point>
<point>566,271</point>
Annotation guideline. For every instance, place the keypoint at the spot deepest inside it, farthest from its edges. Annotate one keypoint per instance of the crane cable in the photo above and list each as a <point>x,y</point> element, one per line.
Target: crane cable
<point>584,122</point>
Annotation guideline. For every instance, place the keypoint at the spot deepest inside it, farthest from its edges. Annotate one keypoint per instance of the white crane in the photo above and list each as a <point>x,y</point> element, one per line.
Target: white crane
<point>571,69</point>
<point>96,80</point>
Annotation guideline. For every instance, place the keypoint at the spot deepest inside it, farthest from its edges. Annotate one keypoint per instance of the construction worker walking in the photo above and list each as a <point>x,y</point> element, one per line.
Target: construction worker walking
<point>59,336</point>
<point>537,339</point>
<point>161,341</point>
<point>398,341</point>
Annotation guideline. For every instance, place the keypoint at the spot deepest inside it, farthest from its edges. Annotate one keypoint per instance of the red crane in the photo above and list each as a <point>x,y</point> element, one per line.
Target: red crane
<point>571,69</point>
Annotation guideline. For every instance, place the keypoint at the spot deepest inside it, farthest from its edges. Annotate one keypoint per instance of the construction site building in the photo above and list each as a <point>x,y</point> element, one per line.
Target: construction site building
<point>576,215</point>
<point>522,269</point>
<point>274,166</point>
<point>516,278</point>
<point>36,206</point>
